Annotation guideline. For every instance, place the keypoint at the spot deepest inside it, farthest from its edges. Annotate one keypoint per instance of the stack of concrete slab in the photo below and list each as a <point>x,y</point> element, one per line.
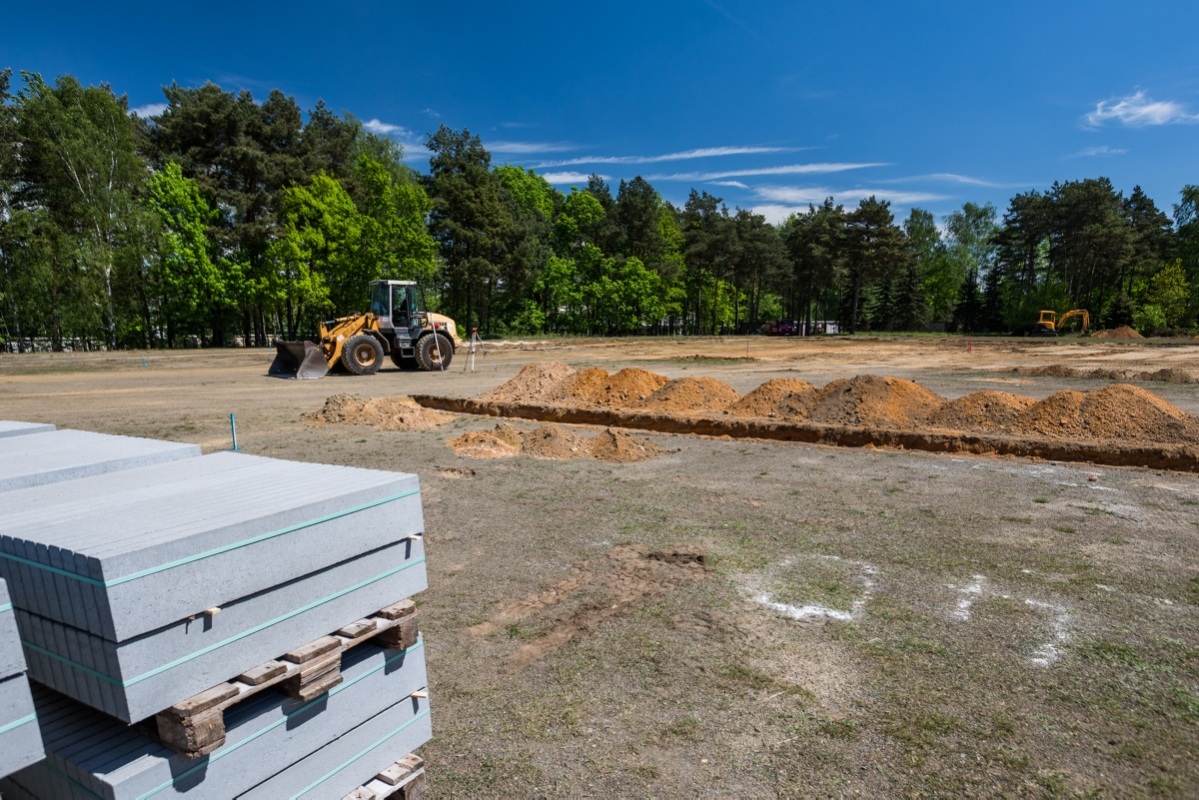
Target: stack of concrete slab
<point>32,455</point>
<point>20,742</point>
<point>138,588</point>
<point>327,746</point>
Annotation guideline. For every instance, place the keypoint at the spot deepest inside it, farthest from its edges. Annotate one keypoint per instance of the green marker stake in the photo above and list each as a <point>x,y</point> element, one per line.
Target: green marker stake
<point>233,430</point>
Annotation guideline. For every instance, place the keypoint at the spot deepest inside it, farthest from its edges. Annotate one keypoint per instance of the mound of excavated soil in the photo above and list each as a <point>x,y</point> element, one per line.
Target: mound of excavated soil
<point>987,410</point>
<point>1119,411</point>
<point>620,447</point>
<point>631,386</point>
<point>597,388</point>
<point>874,400</point>
<point>767,400</point>
<point>1122,332</point>
<point>536,383</point>
<point>1168,375</point>
<point>502,441</point>
<point>691,394</point>
<point>554,442</point>
<point>382,413</point>
<point>1048,371</point>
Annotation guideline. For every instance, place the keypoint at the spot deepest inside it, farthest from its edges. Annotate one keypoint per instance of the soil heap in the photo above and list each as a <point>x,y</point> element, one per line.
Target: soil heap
<point>595,387</point>
<point>874,401</point>
<point>1119,411</point>
<point>535,383</point>
<point>1122,332</point>
<point>988,410</point>
<point>554,442</point>
<point>706,395</point>
<point>777,397</point>
<point>382,413</point>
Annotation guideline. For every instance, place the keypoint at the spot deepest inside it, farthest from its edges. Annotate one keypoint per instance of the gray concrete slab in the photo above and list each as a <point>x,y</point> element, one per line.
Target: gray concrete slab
<point>54,456</point>
<point>20,740</point>
<point>342,766</point>
<point>10,427</point>
<point>92,755</point>
<point>12,660</point>
<point>120,555</point>
<point>136,679</point>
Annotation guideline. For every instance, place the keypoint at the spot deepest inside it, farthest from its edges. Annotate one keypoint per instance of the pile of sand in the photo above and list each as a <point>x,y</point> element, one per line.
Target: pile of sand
<point>1119,411</point>
<point>382,413</point>
<point>536,383</point>
<point>691,395</point>
<point>1122,332</point>
<point>554,442</point>
<point>595,387</point>
<point>987,410</point>
<point>874,401</point>
<point>777,397</point>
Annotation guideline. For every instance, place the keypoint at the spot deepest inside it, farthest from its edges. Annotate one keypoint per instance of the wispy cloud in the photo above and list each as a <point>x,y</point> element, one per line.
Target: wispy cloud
<point>528,148</point>
<point>1103,151</point>
<point>803,195</point>
<point>385,128</point>
<point>429,112</point>
<point>1138,110</point>
<point>559,178</point>
<point>951,177</point>
<point>684,155</point>
<point>413,144</point>
<point>149,110</point>
<point>733,184</point>
<point>789,169</point>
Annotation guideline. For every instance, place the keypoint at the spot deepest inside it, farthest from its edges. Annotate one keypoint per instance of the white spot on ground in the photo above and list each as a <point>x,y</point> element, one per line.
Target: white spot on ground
<point>1050,652</point>
<point>970,592</point>
<point>803,612</point>
<point>1105,587</point>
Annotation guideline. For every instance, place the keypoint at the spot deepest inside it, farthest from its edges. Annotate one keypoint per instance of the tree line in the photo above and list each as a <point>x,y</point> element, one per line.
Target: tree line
<point>225,219</point>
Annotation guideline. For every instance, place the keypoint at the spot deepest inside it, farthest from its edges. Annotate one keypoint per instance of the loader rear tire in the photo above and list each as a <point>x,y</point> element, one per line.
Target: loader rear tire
<point>362,355</point>
<point>434,352</point>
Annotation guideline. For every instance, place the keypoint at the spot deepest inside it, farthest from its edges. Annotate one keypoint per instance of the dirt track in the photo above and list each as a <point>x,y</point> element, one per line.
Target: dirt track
<point>746,617</point>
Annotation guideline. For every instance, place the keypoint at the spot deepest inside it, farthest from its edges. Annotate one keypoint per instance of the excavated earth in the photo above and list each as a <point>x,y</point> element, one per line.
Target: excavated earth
<point>1119,424</point>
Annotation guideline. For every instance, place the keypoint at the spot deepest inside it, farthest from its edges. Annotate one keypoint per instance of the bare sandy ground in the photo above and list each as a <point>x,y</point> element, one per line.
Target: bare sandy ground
<point>751,618</point>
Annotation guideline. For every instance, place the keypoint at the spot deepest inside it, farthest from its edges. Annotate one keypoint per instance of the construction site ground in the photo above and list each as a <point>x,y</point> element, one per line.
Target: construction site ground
<point>700,616</point>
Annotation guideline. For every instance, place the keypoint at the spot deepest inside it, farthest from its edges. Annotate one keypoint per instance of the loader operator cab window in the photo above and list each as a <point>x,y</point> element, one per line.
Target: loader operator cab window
<point>399,307</point>
<point>380,300</point>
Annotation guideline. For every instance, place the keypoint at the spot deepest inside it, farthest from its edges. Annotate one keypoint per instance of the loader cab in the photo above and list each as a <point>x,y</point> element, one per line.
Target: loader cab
<point>397,304</point>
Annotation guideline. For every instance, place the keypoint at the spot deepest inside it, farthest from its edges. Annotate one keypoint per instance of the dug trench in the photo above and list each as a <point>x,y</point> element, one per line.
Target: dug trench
<point>1117,425</point>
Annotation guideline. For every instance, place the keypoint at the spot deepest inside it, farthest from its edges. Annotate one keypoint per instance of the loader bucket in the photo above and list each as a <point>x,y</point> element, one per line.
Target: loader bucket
<point>303,360</point>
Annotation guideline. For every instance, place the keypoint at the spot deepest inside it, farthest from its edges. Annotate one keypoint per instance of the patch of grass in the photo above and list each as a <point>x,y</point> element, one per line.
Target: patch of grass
<point>1024,520</point>
<point>688,728</point>
<point>838,728</point>
<point>1041,500</point>
<point>1065,529</point>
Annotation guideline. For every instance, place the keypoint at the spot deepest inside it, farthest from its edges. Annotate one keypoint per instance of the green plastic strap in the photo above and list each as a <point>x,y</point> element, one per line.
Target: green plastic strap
<point>217,645</point>
<point>16,723</point>
<point>226,750</point>
<point>329,775</point>
<point>5,607</point>
<point>208,553</point>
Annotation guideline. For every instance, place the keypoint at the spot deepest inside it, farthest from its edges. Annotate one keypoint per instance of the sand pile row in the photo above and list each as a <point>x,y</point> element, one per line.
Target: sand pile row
<point>1122,332</point>
<point>553,442</point>
<point>381,413</point>
<point>1167,375</point>
<point>1118,412</point>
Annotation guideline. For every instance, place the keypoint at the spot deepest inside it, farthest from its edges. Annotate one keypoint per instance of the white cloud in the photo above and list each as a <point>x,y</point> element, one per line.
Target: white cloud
<point>386,129</point>
<point>684,155</point>
<point>791,169</point>
<point>527,148</point>
<point>734,184</point>
<point>797,195</point>
<point>1098,152</point>
<point>558,178</point>
<point>950,177</point>
<point>1137,111</point>
<point>149,110</point>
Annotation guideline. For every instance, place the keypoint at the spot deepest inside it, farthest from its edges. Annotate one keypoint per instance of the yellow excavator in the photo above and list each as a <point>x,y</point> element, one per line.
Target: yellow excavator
<point>1051,323</point>
<point>396,325</point>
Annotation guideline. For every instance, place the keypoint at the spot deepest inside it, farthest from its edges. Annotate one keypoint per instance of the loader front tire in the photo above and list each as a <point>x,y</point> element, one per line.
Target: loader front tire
<point>362,355</point>
<point>434,352</point>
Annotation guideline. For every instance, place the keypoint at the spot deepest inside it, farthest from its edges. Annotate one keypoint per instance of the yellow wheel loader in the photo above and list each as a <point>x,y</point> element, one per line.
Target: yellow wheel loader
<point>395,326</point>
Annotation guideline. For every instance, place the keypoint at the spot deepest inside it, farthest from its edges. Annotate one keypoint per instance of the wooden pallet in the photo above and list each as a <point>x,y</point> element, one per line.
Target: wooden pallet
<point>403,780</point>
<point>196,726</point>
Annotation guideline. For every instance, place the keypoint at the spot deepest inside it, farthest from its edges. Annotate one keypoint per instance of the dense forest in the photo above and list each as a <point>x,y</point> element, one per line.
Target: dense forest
<point>225,220</point>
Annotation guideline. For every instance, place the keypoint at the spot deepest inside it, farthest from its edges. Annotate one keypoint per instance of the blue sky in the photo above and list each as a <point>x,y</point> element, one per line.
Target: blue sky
<point>769,105</point>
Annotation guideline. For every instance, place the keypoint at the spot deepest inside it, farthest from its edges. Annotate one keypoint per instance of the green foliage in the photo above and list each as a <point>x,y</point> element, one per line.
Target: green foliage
<point>1169,292</point>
